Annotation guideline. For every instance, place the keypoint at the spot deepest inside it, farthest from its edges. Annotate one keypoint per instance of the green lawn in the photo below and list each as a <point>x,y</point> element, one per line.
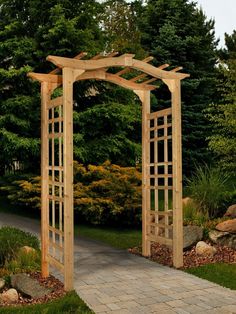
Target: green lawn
<point>220,273</point>
<point>69,304</point>
<point>118,238</point>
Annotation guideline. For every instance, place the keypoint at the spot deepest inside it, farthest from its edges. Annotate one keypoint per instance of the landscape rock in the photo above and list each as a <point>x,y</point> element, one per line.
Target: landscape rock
<point>204,249</point>
<point>2,283</point>
<point>27,249</point>
<point>223,238</point>
<point>231,211</point>
<point>10,296</point>
<point>192,234</point>
<point>28,286</point>
<point>227,226</point>
<point>186,201</point>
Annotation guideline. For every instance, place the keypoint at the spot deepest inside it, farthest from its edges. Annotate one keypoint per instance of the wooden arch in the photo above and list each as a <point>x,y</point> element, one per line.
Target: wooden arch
<point>161,155</point>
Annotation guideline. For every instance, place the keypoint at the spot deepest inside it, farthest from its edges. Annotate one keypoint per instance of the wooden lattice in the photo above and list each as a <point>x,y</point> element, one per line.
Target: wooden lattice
<point>161,154</point>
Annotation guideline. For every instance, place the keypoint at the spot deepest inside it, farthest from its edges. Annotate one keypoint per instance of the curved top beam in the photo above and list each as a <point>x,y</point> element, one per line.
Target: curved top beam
<point>122,61</point>
<point>102,75</point>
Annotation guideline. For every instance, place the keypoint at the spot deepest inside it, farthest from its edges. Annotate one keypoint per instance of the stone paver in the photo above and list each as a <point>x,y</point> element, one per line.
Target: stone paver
<point>114,281</point>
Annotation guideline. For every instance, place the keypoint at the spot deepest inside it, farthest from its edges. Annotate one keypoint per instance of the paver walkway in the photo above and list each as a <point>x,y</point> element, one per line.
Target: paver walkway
<point>114,281</point>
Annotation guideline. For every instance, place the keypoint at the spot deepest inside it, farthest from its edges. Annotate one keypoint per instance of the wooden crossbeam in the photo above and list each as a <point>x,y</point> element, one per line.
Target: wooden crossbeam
<point>78,57</point>
<point>176,69</point>
<point>126,70</point>
<point>139,77</point>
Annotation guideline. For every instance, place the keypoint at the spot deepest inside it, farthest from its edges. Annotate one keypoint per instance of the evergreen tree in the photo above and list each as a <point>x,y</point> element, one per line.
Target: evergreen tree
<point>29,31</point>
<point>177,33</point>
<point>222,114</point>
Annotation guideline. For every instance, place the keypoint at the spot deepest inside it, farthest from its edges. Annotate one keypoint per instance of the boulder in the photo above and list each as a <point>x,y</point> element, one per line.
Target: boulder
<point>2,283</point>
<point>10,296</point>
<point>28,286</point>
<point>192,234</point>
<point>227,226</point>
<point>223,238</point>
<point>27,249</point>
<point>231,211</point>
<point>204,249</point>
<point>186,201</point>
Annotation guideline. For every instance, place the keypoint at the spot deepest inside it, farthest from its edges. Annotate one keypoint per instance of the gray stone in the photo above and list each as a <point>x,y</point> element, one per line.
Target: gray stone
<point>192,234</point>
<point>231,211</point>
<point>2,283</point>
<point>10,296</point>
<point>223,238</point>
<point>204,249</point>
<point>28,286</point>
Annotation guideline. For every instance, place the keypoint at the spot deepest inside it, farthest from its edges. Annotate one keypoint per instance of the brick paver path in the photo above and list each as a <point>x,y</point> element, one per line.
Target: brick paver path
<point>114,281</point>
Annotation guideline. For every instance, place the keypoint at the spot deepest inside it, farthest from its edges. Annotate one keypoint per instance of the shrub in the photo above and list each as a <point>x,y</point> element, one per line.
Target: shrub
<point>23,191</point>
<point>24,262</point>
<point>108,194</point>
<point>208,188</point>
<point>12,240</point>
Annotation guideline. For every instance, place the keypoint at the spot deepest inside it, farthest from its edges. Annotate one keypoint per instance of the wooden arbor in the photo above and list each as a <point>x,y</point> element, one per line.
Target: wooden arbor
<point>161,155</point>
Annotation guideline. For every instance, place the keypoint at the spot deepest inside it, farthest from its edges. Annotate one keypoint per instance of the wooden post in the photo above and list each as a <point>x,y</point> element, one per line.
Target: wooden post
<point>45,98</point>
<point>68,80</point>
<point>146,245</point>
<point>177,175</point>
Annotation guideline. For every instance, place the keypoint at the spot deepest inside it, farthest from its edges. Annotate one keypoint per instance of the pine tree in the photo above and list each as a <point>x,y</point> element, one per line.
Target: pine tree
<point>177,33</point>
<point>29,31</point>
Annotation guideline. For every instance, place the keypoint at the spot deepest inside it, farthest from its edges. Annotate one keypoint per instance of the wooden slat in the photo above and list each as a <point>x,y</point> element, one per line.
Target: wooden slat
<point>169,163</point>
<point>161,138</point>
<point>159,127</point>
<point>57,231</point>
<point>55,198</point>
<point>55,102</point>
<point>55,135</point>
<point>160,240</point>
<point>55,183</point>
<point>56,246</point>
<point>150,80</point>
<point>160,113</point>
<point>177,69</point>
<point>160,213</point>
<point>54,262</point>
<point>159,187</point>
<point>163,66</point>
<point>139,77</point>
<point>160,225</point>
<point>56,168</point>
<point>160,176</point>
<point>55,120</point>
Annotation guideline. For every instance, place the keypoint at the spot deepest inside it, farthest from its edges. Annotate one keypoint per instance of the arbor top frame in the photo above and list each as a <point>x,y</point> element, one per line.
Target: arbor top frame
<point>98,68</point>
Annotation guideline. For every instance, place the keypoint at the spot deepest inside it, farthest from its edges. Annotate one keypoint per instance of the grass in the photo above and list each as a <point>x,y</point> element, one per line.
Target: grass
<point>118,238</point>
<point>69,304</point>
<point>220,273</point>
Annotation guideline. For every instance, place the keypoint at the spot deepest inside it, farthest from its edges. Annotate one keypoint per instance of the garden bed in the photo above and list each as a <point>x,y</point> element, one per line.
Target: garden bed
<point>163,255</point>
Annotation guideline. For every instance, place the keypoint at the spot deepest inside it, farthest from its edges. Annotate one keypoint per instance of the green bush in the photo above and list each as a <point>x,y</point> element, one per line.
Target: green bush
<point>108,194</point>
<point>208,188</point>
<point>12,240</point>
<point>24,262</point>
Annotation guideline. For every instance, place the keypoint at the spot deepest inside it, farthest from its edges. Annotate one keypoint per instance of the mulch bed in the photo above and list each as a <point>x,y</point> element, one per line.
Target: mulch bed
<point>163,255</point>
<point>50,282</point>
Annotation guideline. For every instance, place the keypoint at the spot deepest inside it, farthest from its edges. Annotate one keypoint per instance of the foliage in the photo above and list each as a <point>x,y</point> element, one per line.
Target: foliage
<point>178,33</point>
<point>222,114</point>
<point>24,262</point>
<point>108,194</point>
<point>119,21</point>
<point>220,273</point>
<point>29,31</point>
<point>69,304</point>
<point>208,187</point>
<point>23,192</point>
<point>108,131</point>
<point>12,240</point>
